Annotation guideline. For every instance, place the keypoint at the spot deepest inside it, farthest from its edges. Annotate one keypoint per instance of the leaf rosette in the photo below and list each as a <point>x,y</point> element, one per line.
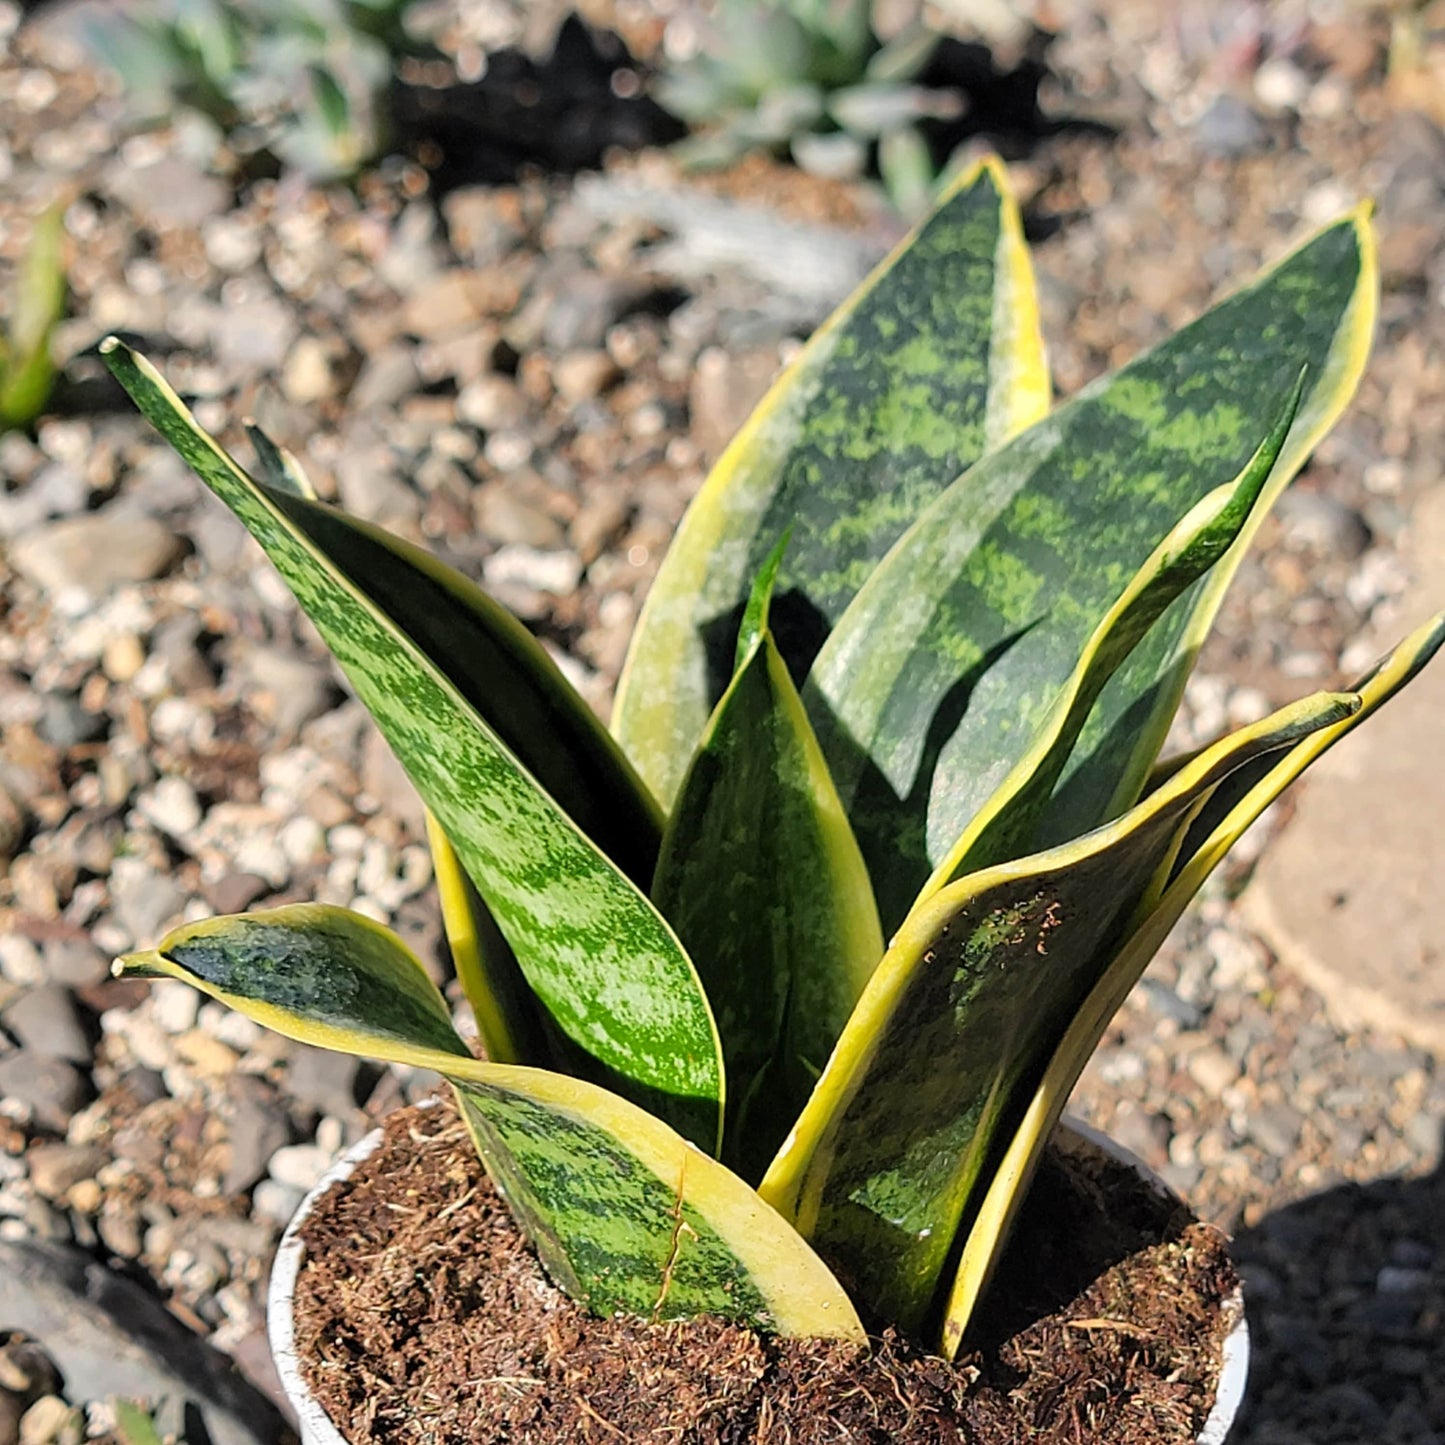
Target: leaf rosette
<point>782,981</point>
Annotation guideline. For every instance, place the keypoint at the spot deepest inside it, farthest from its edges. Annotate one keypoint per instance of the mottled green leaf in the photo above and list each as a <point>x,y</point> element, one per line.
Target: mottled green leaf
<point>763,880</point>
<point>608,969</point>
<point>1235,804</point>
<point>939,675</point>
<point>956,1026</point>
<point>625,1213</point>
<point>508,1014</point>
<point>936,358</point>
<point>1004,827</point>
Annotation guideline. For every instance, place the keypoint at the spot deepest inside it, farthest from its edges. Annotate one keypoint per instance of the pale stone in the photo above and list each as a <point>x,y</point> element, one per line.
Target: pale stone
<point>1349,895</point>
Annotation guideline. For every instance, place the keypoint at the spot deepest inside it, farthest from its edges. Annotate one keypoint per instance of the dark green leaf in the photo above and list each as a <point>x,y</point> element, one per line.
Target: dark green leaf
<point>940,674</point>
<point>937,357</point>
<point>606,966</point>
<point>763,880</point>
<point>958,1024</point>
<point>627,1216</point>
<point>1230,809</point>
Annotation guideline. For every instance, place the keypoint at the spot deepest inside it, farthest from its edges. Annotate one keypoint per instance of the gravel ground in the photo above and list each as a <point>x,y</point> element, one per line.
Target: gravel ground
<point>533,383</point>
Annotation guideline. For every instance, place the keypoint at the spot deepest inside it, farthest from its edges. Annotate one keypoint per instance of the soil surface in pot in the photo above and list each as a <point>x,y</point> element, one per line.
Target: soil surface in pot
<point>422,1315</point>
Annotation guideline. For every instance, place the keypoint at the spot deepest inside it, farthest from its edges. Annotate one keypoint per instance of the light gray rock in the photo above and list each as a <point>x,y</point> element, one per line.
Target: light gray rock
<point>385,378</point>
<point>46,1020</point>
<point>386,780</point>
<point>169,191</point>
<point>56,490</point>
<point>66,724</point>
<point>1229,127</point>
<point>504,517</point>
<point>172,807</point>
<point>257,1130</point>
<point>109,1337</point>
<point>54,1089</point>
<point>143,899</point>
<point>75,962</point>
<point>297,688</point>
<point>324,1080</point>
<point>254,335</point>
<point>96,552</point>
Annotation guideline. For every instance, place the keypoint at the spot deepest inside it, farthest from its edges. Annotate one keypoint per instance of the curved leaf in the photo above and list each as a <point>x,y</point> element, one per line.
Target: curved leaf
<point>1234,806</point>
<point>763,880</point>
<point>1004,827</point>
<point>627,1215</point>
<point>608,969</point>
<point>936,358</point>
<point>958,1024</point>
<point>938,677</point>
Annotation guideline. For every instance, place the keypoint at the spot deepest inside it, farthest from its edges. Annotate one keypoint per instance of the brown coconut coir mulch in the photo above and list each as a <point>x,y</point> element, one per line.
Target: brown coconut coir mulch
<point>423,1316</point>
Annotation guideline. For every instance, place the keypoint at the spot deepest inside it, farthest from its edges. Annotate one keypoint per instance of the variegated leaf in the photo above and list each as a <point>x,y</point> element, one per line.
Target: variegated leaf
<point>936,358</point>
<point>961,1015</point>
<point>938,677</point>
<point>1004,827</point>
<point>627,1215</point>
<point>608,969</point>
<point>762,879</point>
<point>1234,805</point>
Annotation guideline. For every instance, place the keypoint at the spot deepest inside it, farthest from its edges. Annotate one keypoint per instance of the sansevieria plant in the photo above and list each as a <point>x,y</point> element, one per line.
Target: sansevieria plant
<point>783,982</point>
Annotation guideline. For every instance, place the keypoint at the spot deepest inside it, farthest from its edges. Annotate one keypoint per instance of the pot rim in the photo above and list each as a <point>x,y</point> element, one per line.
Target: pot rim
<point>316,1425</point>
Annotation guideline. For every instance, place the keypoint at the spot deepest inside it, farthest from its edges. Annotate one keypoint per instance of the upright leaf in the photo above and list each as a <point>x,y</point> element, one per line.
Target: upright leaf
<point>936,358</point>
<point>957,1025</point>
<point>1005,826</point>
<point>27,371</point>
<point>507,1012</point>
<point>941,672</point>
<point>1235,804</point>
<point>627,1216</point>
<point>763,880</point>
<point>608,969</point>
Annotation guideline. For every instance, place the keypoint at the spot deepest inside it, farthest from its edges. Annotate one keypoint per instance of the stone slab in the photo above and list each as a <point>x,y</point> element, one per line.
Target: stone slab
<point>110,1338</point>
<point>1351,895</point>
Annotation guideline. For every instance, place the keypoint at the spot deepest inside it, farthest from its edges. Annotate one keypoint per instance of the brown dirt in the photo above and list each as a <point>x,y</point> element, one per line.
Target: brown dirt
<point>424,1317</point>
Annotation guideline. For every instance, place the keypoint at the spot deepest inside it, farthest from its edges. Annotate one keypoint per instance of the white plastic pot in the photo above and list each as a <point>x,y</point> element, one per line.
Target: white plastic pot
<point>317,1429</point>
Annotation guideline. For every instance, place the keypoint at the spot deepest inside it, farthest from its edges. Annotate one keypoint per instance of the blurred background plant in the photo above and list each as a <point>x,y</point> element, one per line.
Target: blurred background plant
<point>34,308</point>
<point>838,85</point>
<point>303,80</point>
<point>812,79</point>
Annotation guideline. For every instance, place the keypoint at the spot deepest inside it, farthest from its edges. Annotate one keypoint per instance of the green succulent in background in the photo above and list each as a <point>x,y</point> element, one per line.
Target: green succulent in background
<point>302,79</point>
<point>813,79</point>
<point>783,981</point>
<point>33,310</point>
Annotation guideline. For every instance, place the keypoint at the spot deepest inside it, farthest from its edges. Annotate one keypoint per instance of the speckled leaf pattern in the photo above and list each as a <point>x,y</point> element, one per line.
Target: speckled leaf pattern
<point>608,969</point>
<point>762,879</point>
<point>956,1027</point>
<point>1232,807</point>
<point>626,1214</point>
<point>937,357</point>
<point>506,1011</point>
<point>1007,822</point>
<point>938,676</point>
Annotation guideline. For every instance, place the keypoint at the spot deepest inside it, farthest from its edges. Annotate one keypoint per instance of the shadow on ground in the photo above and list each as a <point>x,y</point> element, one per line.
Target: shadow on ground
<point>1346,1294</point>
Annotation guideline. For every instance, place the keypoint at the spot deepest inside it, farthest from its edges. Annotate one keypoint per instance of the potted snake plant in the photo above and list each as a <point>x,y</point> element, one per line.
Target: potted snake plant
<point>782,982</point>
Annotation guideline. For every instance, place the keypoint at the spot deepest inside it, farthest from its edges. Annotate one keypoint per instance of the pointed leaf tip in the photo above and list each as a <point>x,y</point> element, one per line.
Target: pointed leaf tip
<point>760,600</point>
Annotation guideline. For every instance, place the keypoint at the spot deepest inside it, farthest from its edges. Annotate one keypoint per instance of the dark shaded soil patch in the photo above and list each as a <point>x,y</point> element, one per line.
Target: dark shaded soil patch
<point>559,115</point>
<point>424,1316</point>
